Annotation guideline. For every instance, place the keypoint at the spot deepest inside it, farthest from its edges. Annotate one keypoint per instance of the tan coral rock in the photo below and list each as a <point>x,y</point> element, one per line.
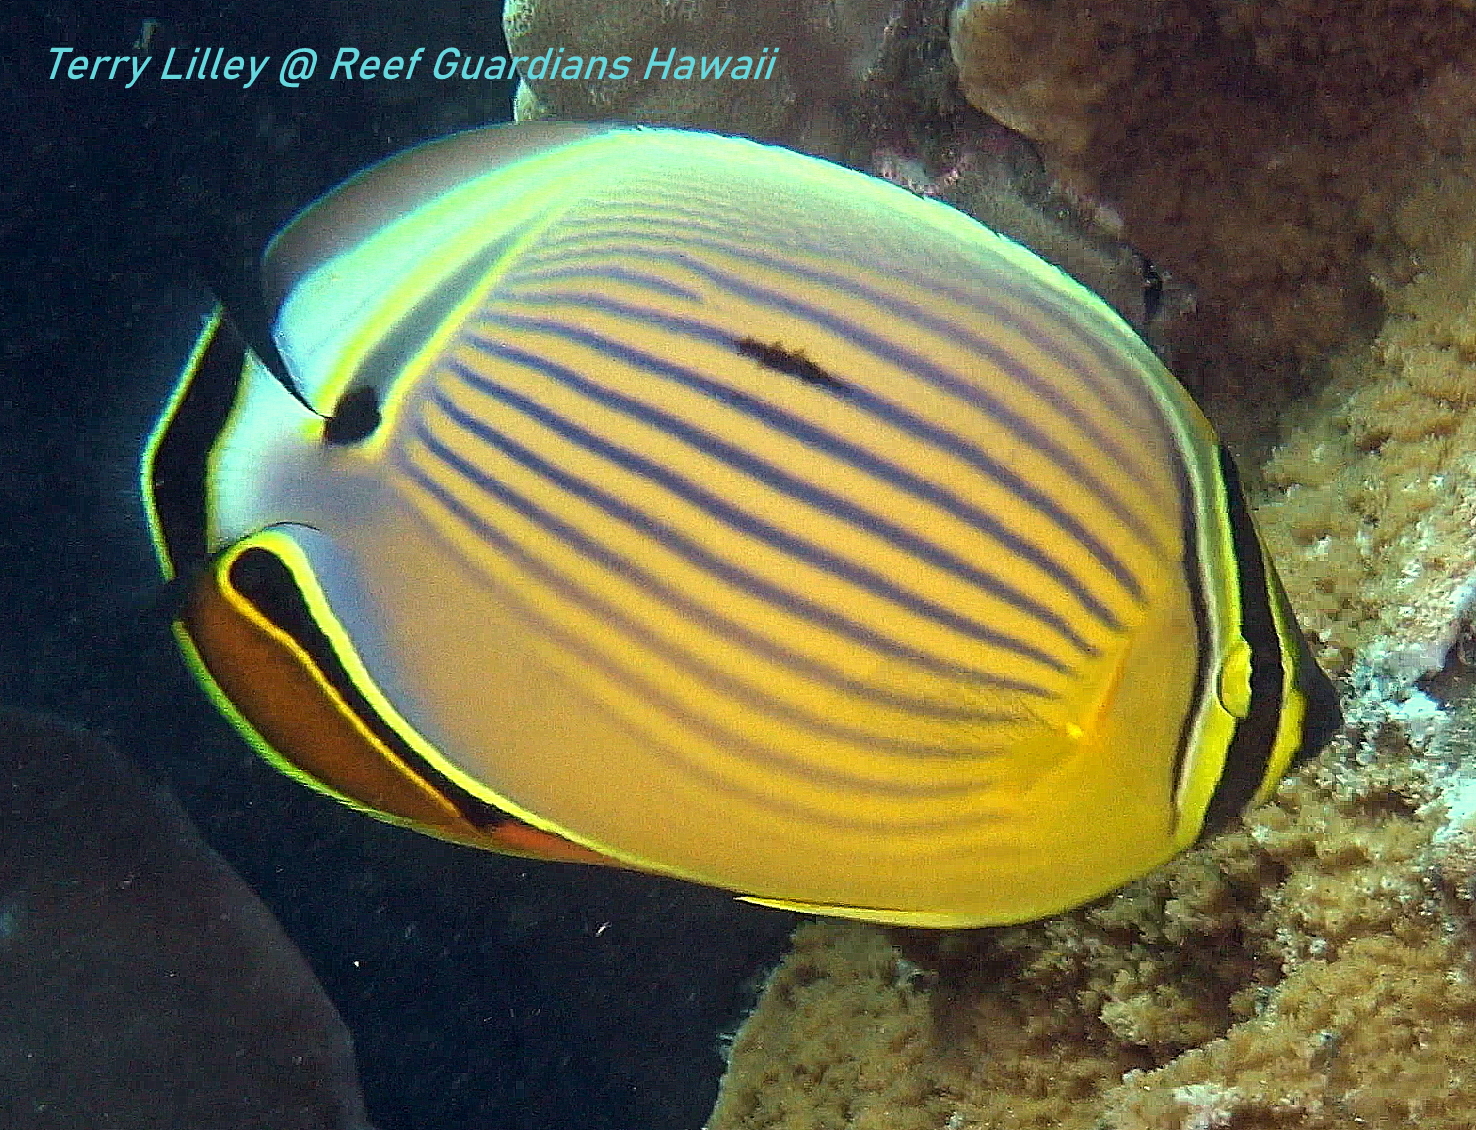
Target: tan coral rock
<point>1257,148</point>
<point>824,49</point>
<point>1371,513</point>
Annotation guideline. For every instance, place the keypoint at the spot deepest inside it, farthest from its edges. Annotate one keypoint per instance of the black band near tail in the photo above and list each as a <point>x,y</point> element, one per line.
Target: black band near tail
<point>1251,747</point>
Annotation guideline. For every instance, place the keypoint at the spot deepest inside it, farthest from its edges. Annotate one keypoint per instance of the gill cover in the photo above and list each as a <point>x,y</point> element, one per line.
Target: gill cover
<point>664,499</point>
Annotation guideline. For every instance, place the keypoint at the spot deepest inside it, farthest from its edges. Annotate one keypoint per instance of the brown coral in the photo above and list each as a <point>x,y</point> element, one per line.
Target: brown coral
<point>1259,149</point>
<point>824,49</point>
<point>1371,513</point>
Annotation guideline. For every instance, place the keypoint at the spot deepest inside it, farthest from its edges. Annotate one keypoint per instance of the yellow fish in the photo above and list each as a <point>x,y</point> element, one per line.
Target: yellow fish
<point>662,499</point>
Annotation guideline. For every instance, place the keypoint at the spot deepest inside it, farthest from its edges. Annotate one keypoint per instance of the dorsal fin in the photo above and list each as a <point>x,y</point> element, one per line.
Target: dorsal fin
<point>365,203</point>
<point>244,305</point>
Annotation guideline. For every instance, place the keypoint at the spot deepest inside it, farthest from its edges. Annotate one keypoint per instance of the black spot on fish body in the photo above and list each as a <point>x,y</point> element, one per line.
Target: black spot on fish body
<point>791,362</point>
<point>355,417</point>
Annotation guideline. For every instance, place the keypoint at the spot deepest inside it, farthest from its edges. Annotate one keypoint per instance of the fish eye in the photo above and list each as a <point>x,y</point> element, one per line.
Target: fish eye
<point>355,417</point>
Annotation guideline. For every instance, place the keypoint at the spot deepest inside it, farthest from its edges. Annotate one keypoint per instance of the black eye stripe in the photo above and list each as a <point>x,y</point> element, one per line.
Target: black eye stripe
<point>177,471</point>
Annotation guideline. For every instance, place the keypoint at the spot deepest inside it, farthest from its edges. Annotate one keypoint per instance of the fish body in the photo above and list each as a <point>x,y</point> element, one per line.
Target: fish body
<point>663,499</point>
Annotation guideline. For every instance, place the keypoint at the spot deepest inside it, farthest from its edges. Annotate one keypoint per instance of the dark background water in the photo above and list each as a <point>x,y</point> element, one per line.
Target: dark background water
<point>482,992</point>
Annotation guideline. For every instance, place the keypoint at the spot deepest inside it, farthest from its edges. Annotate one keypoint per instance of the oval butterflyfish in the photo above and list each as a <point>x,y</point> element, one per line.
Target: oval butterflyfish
<point>668,500</point>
